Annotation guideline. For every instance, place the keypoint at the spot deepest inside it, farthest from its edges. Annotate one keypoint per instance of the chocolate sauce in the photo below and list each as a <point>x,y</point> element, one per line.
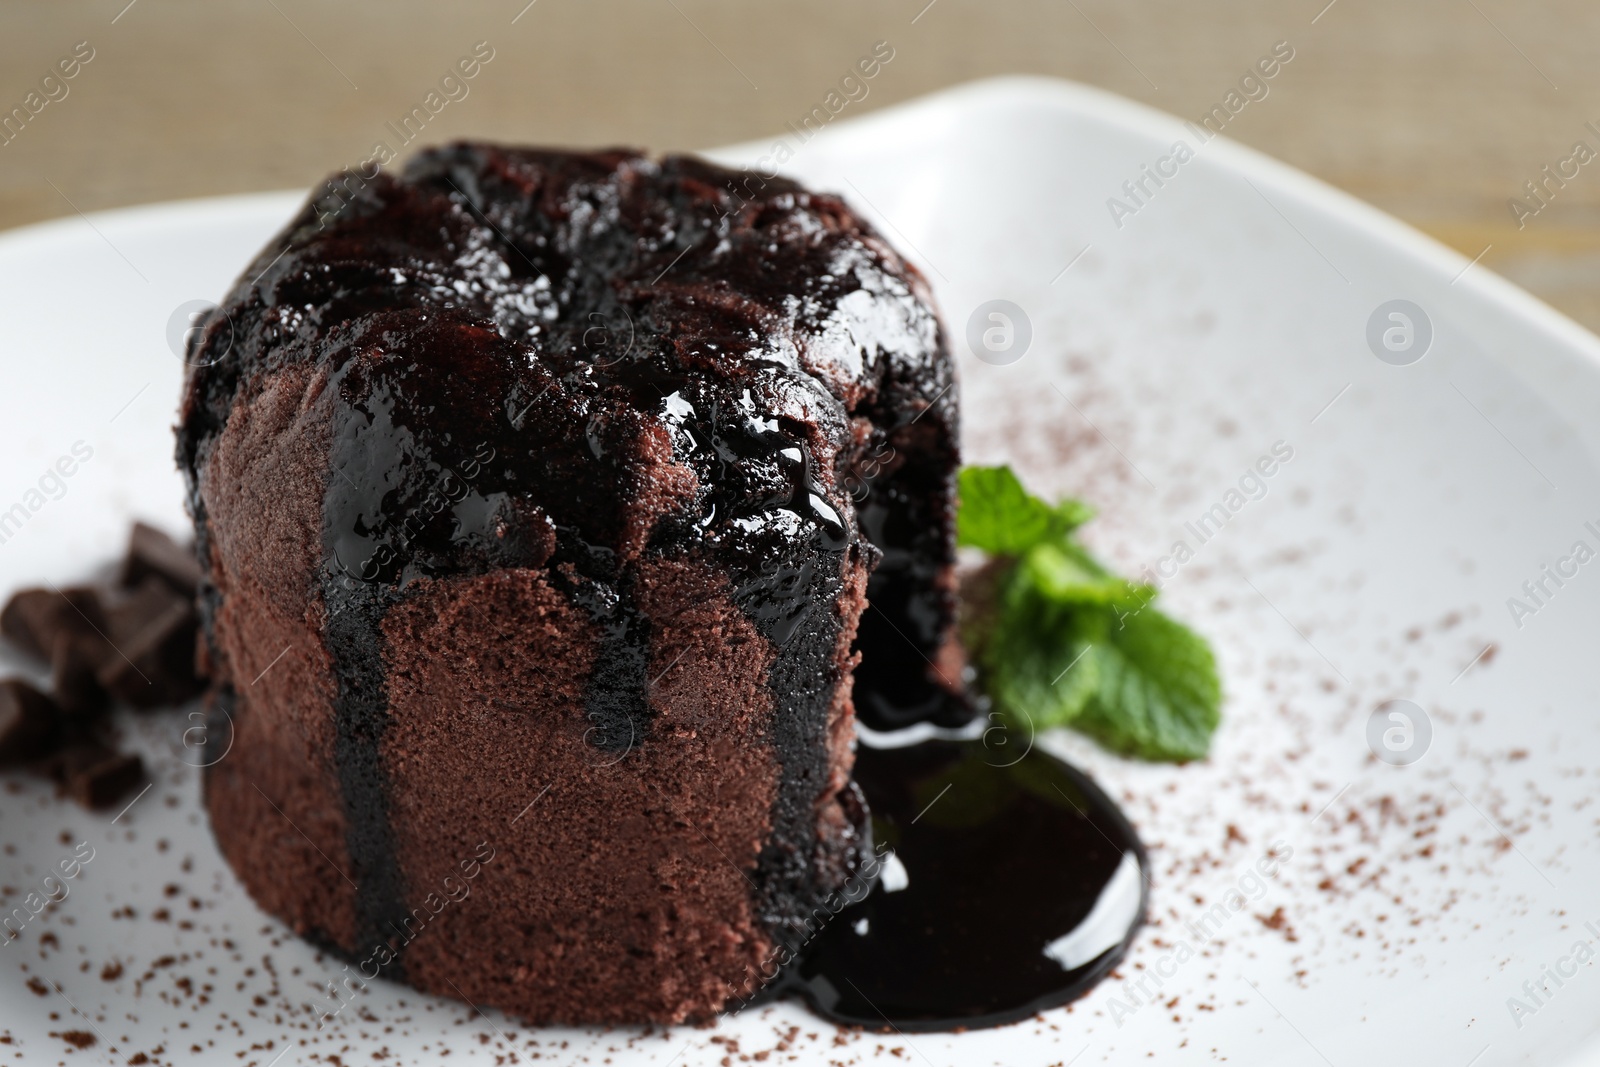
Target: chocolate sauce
<point>1005,886</point>
<point>907,619</point>
<point>616,698</point>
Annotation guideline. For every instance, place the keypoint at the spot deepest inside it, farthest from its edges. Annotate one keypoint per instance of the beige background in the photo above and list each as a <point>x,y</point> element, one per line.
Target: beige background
<point>1435,110</point>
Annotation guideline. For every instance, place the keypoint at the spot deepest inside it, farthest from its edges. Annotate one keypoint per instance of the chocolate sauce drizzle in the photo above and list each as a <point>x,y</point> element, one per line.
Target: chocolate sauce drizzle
<point>1005,886</point>
<point>355,641</point>
<point>616,700</point>
<point>413,491</point>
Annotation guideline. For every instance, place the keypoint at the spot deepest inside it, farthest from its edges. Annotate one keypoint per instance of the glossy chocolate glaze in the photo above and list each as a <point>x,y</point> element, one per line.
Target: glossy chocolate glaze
<point>1006,885</point>
<point>557,360</point>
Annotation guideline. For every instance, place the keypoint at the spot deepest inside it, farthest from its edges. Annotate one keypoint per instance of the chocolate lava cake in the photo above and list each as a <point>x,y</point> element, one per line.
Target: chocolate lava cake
<point>540,498</point>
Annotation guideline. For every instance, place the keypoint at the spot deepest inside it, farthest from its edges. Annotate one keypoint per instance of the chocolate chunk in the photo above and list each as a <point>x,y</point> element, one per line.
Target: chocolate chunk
<point>33,617</point>
<point>28,722</point>
<point>74,661</point>
<point>72,756</point>
<point>151,552</point>
<point>153,644</point>
<point>94,775</point>
<point>129,616</point>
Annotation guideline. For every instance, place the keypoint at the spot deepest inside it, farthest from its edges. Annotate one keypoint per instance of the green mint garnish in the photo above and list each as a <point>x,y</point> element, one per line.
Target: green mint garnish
<point>1002,518</point>
<point>1059,640</point>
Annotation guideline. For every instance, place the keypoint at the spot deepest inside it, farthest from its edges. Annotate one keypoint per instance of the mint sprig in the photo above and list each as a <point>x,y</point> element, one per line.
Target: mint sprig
<point>1001,517</point>
<point>1061,641</point>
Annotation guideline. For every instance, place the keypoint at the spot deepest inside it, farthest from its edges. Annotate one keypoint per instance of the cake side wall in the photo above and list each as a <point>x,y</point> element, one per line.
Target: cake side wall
<point>274,799</point>
<point>609,886</point>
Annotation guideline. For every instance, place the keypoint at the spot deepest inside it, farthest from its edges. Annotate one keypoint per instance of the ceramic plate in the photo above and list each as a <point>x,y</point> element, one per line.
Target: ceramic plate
<point>1366,468</point>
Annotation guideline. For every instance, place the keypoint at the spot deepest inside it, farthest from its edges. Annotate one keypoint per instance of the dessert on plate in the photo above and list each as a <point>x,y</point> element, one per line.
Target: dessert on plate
<point>534,578</point>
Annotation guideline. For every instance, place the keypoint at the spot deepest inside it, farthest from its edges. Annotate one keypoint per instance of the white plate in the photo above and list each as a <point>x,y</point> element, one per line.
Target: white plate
<point>1227,313</point>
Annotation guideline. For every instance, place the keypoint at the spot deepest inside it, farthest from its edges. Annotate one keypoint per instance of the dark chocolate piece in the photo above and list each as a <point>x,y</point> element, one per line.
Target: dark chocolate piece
<point>151,552</point>
<point>151,662</point>
<point>130,614</point>
<point>75,660</point>
<point>32,618</point>
<point>138,646</point>
<point>94,775</point>
<point>28,722</point>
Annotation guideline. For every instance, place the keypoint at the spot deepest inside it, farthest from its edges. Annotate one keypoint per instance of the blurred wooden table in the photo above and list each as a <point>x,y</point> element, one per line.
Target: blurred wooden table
<point>1435,110</point>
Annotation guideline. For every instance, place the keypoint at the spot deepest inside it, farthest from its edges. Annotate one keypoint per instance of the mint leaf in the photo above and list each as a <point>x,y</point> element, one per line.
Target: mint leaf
<point>1061,641</point>
<point>1157,694</point>
<point>1001,517</point>
<point>1066,574</point>
<point>1036,666</point>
